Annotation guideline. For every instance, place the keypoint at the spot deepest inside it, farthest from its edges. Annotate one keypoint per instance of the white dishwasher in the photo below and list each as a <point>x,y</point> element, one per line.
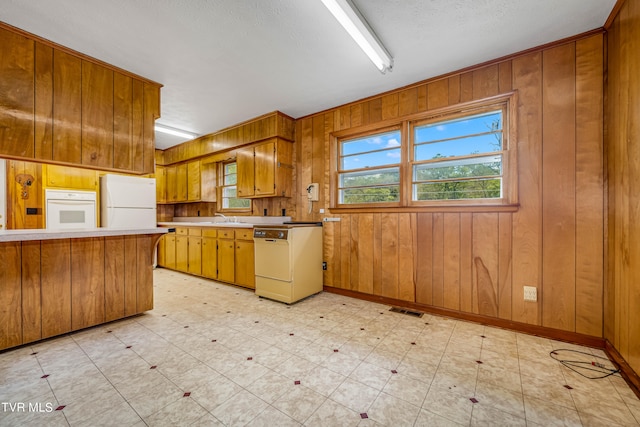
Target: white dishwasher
<point>288,261</point>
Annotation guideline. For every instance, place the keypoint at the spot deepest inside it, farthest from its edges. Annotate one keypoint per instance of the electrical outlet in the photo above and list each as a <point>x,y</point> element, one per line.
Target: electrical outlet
<point>530,293</point>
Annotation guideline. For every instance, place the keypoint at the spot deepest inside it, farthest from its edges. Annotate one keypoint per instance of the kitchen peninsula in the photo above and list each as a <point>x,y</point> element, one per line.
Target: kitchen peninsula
<point>57,281</point>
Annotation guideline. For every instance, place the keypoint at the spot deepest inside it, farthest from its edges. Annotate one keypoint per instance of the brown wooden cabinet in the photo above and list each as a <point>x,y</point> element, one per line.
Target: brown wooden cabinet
<point>161,184</point>
<point>194,244</point>
<point>193,181</point>
<point>226,256</point>
<point>182,250</point>
<point>244,258</point>
<point>265,169</point>
<point>72,178</point>
<point>184,183</point>
<point>64,106</point>
<point>181,186</point>
<point>209,253</point>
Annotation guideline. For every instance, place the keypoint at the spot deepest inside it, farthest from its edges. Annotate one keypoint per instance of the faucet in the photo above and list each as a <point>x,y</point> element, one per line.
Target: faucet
<point>223,216</point>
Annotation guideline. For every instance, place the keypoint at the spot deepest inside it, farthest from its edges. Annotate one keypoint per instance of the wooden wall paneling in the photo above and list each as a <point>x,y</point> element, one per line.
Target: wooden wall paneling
<point>406,258</point>
<point>364,243</point>
<point>378,260</point>
<point>345,251</point>
<point>17,217</point>
<point>122,122</point>
<point>466,262</point>
<point>389,222</point>
<point>438,94</point>
<point>589,185</point>
<point>131,272</point>
<point>356,116</point>
<point>97,115</point>
<point>322,167</point>
<point>527,221</point>
<point>485,263</point>
<point>304,166</point>
<point>454,89</point>
<point>408,101</point>
<point>422,97</point>
<point>505,77</point>
<point>437,275</point>
<point>43,101</point>
<point>505,253</point>
<point>88,284</point>
<point>144,264</point>
<point>390,106</point>
<point>56,287</point>
<point>558,181</point>
<point>354,257</point>
<point>451,261</point>
<point>151,113</point>
<point>31,295</point>
<point>114,278</point>
<point>67,107</point>
<point>137,128</point>
<point>342,118</point>
<point>466,86</point>
<point>375,110</point>
<point>318,146</point>
<point>486,82</point>
<point>17,94</point>
<point>424,284</point>
<point>633,137</point>
<point>10,295</point>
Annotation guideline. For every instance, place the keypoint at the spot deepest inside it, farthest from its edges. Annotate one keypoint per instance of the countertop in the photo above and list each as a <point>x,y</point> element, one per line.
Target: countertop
<point>43,234</point>
<point>206,224</point>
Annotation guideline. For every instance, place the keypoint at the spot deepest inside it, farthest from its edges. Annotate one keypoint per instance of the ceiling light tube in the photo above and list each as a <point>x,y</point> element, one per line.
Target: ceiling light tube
<point>174,131</point>
<point>352,20</point>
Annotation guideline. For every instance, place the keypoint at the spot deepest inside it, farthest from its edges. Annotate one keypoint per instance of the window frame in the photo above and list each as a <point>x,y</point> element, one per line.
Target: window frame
<point>222,186</point>
<point>508,202</point>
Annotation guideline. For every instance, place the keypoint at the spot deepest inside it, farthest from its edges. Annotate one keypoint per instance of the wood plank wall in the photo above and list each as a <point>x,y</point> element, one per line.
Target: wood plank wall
<point>478,262</point>
<point>622,293</point>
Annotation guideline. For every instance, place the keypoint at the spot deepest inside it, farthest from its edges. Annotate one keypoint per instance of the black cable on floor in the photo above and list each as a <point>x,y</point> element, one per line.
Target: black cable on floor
<point>585,365</point>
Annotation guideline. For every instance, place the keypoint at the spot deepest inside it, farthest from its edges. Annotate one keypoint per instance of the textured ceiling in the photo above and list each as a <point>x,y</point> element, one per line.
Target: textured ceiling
<point>225,61</point>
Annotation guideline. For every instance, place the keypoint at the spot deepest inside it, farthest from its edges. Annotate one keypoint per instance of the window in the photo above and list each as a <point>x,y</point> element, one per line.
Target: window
<point>369,168</point>
<point>229,190</point>
<point>450,158</point>
<point>459,158</point>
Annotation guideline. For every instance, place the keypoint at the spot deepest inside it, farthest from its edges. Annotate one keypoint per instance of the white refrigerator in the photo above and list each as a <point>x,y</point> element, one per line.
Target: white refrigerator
<point>127,201</point>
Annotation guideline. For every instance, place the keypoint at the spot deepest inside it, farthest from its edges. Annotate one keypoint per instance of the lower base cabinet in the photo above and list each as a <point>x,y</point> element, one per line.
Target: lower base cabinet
<point>224,254</point>
<point>52,287</point>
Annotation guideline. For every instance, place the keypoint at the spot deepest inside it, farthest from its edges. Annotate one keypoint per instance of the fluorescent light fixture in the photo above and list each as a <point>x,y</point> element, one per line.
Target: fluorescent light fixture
<point>174,131</point>
<point>352,20</point>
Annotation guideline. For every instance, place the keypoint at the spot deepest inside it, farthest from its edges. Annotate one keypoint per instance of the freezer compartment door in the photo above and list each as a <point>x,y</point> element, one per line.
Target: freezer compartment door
<point>274,289</point>
<point>128,191</point>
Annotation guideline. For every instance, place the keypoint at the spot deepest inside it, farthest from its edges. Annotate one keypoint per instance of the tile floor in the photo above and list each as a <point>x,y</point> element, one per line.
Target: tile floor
<point>213,355</point>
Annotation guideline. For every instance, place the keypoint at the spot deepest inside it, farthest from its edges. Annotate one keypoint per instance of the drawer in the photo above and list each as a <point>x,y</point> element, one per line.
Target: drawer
<point>244,234</point>
<point>182,231</point>
<point>226,233</point>
<point>195,232</point>
<point>209,232</point>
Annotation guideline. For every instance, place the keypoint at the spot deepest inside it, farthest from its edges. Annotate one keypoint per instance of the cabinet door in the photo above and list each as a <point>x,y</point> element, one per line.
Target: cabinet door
<point>181,182</point>
<point>193,181</point>
<point>97,115</point>
<point>67,107</point>
<point>265,167</point>
<point>195,255</point>
<point>226,260</point>
<point>172,184</point>
<point>170,251</point>
<point>245,165</point>
<point>10,295</point>
<point>245,267</point>
<point>161,184</point>
<point>182,253</point>
<point>123,148</point>
<point>17,89</point>
<point>209,257</point>
<point>72,178</point>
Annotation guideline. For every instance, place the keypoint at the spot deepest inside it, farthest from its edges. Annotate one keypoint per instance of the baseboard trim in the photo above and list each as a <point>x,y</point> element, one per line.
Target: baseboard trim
<point>626,371</point>
<point>556,334</point>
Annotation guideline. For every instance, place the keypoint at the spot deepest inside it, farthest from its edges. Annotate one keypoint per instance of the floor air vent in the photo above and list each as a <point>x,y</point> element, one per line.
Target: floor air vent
<point>407,312</point>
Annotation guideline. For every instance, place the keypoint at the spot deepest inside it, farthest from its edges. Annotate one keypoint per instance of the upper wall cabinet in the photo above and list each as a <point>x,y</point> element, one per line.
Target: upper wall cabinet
<point>265,169</point>
<point>61,106</point>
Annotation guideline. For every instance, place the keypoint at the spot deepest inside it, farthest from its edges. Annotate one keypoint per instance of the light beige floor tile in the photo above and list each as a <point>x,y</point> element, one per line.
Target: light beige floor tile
<point>545,413</point>
<point>333,414</point>
<point>238,411</point>
<point>449,405</point>
<point>390,411</point>
<point>354,395</point>
<point>184,411</point>
<point>212,394</point>
<point>371,375</point>
<point>272,417</point>
<point>271,386</point>
<point>430,419</point>
<point>323,380</point>
<point>407,388</point>
<point>299,403</point>
<point>488,416</point>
